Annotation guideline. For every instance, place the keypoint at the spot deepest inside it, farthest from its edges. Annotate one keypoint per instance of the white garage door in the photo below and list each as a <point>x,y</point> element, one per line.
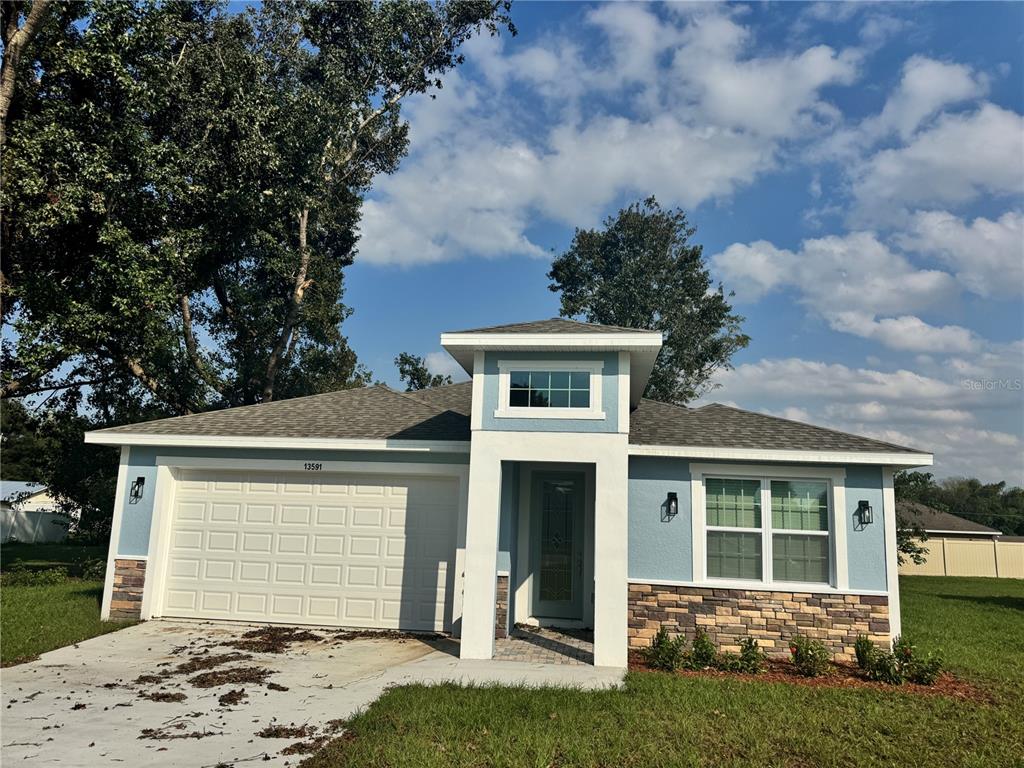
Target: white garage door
<point>346,550</point>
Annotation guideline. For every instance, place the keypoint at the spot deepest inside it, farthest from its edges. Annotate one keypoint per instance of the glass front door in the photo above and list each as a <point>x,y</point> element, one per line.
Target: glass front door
<point>558,546</point>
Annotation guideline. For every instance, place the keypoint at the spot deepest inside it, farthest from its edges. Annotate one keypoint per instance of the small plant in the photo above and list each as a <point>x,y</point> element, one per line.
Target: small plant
<point>884,667</point>
<point>703,653</point>
<point>810,656</point>
<point>865,651</point>
<point>752,658</point>
<point>94,570</point>
<point>902,664</point>
<point>728,662</point>
<point>665,652</point>
<point>924,671</point>
<point>18,575</point>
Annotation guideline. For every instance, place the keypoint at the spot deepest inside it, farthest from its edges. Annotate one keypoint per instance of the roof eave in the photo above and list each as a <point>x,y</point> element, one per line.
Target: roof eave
<point>111,437</point>
<point>884,458</point>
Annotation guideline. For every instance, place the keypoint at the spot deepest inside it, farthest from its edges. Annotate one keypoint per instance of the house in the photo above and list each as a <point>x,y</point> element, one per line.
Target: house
<point>29,514</point>
<point>546,490</point>
<point>960,547</point>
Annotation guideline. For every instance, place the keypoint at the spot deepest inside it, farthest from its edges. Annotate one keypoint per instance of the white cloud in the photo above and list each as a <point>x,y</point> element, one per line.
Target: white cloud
<point>480,171</point>
<point>903,407</point>
<point>958,159</point>
<point>987,256</point>
<point>905,332</point>
<point>440,363</point>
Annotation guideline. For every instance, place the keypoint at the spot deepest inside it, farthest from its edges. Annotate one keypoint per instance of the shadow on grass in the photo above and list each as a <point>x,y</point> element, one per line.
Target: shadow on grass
<point>1003,601</point>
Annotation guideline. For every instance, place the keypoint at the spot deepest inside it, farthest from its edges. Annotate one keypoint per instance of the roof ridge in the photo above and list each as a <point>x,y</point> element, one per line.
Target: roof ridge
<point>815,426</point>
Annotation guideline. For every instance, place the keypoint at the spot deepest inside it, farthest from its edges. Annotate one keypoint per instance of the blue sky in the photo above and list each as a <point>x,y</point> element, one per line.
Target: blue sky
<point>855,172</point>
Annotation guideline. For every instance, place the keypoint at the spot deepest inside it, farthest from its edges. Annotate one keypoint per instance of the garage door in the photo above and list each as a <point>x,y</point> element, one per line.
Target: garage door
<point>346,550</point>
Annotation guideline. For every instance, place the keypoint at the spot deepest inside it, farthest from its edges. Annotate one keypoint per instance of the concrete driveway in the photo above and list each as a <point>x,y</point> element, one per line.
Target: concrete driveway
<point>175,693</point>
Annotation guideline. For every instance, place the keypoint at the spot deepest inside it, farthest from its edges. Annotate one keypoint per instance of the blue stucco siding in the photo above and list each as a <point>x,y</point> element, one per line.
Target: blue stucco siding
<point>609,394</point>
<point>137,518</point>
<point>659,550</point>
<point>865,548</point>
<point>663,550</point>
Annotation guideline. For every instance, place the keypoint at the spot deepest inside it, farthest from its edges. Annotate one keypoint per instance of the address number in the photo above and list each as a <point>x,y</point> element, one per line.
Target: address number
<point>313,466</point>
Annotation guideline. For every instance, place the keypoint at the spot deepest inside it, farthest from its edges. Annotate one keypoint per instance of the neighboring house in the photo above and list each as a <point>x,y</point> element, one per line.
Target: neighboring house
<point>28,513</point>
<point>960,547</point>
<point>545,491</point>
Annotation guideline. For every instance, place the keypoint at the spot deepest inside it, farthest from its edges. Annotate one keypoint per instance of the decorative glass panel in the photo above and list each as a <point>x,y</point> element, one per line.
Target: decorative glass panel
<point>733,503</point>
<point>556,541</point>
<point>799,505</point>
<point>734,555</point>
<point>549,389</point>
<point>797,557</point>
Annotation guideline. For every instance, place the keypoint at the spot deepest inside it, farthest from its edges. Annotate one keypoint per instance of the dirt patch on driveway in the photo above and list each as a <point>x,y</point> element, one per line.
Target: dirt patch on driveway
<point>273,639</point>
<point>231,676</point>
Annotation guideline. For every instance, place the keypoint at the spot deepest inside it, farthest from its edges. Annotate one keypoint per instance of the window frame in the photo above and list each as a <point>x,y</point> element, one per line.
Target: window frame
<point>506,410</point>
<point>834,478</point>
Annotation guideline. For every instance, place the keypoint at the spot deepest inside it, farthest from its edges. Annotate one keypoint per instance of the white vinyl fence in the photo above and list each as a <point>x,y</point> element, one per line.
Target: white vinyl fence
<point>32,527</point>
<point>970,557</point>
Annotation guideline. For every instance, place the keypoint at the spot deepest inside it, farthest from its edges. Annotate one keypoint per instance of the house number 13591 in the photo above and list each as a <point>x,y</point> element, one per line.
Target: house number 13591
<point>313,466</point>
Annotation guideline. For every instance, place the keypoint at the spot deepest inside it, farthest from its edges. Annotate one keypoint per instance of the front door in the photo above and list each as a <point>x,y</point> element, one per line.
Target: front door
<point>557,524</point>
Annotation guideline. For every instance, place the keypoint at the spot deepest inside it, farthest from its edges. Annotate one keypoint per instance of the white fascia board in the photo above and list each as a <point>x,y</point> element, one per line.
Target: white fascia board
<point>295,443</point>
<point>758,454</point>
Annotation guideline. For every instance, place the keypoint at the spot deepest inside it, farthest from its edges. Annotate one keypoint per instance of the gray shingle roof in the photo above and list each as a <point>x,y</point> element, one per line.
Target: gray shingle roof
<point>554,325</point>
<point>443,413</point>
<point>370,413</point>
<point>932,519</point>
<point>720,426</point>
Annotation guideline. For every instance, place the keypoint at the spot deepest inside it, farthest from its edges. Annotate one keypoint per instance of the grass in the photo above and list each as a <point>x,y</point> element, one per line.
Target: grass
<point>665,720</point>
<point>42,556</point>
<point>36,619</point>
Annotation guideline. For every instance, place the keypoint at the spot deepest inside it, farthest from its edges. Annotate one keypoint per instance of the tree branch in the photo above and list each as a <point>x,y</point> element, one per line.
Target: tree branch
<point>192,348</point>
<point>14,44</point>
<point>292,315</point>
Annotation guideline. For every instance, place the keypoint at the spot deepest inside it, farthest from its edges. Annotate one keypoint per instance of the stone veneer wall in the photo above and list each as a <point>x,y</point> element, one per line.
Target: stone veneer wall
<point>729,615</point>
<point>129,579</point>
<point>501,608</point>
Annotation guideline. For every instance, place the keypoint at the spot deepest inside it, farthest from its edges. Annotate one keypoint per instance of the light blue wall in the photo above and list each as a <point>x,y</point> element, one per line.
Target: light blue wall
<point>136,518</point>
<point>659,550</point>
<point>865,548</point>
<point>609,394</point>
<point>664,550</point>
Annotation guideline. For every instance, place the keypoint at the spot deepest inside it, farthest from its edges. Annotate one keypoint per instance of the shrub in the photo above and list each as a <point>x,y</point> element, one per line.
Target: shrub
<point>884,667</point>
<point>810,656</point>
<point>665,653</point>
<point>94,570</point>
<point>865,651</point>
<point>18,575</point>
<point>703,654</point>
<point>752,658</point>
<point>924,671</point>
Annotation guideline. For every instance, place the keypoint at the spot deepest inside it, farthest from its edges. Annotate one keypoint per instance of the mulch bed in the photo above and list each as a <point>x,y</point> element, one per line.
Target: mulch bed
<point>841,676</point>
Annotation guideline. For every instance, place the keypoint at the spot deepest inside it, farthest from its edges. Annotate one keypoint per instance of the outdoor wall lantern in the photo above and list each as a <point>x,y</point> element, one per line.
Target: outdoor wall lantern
<point>135,493</point>
<point>865,515</point>
<point>671,506</point>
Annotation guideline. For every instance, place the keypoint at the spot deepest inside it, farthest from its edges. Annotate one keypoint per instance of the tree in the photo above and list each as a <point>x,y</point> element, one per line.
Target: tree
<point>182,186</point>
<point>414,372</point>
<point>990,504</point>
<point>642,271</point>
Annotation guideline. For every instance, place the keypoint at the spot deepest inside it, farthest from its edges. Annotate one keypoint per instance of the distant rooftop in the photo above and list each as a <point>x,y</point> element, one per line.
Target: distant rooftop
<point>935,520</point>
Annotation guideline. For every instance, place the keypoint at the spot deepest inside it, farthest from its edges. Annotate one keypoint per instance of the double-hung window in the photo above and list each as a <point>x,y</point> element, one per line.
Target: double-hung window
<point>769,530</point>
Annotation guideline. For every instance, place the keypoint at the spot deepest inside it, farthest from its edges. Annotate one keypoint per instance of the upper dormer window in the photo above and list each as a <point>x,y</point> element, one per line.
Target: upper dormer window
<point>570,390</point>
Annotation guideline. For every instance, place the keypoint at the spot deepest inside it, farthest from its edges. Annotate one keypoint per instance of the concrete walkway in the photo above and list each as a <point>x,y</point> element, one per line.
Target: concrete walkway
<point>134,697</point>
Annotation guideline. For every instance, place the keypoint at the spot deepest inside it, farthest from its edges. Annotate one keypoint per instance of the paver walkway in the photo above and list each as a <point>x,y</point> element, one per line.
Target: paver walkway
<point>546,646</point>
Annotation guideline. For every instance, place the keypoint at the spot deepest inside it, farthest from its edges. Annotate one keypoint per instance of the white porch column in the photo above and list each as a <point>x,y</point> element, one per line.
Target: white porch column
<point>611,550</point>
<point>481,551</point>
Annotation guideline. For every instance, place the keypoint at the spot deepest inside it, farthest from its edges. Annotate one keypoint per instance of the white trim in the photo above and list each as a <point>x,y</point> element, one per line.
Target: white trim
<point>103,437</point>
<point>835,477</point>
<point>651,340</point>
<point>159,542</point>
<point>757,586</point>
<point>624,365</point>
<point>594,368</point>
<point>758,454</point>
<point>115,533</point>
<point>983,534</point>
<point>891,556</point>
<point>326,467</point>
<point>477,406</point>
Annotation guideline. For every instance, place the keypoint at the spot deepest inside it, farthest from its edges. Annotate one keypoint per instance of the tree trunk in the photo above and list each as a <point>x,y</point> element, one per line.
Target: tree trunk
<point>292,315</point>
<point>15,40</point>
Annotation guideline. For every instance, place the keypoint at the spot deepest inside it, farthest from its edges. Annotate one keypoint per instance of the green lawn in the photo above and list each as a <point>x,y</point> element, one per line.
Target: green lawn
<point>663,720</point>
<point>41,556</point>
<point>37,619</point>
